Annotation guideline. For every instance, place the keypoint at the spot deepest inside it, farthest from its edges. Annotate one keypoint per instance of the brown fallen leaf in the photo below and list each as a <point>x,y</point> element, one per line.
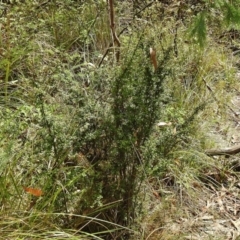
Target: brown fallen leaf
<point>153,58</point>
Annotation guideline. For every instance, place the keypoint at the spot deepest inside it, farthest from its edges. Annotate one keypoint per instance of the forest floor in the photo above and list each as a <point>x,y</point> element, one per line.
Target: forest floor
<point>214,211</point>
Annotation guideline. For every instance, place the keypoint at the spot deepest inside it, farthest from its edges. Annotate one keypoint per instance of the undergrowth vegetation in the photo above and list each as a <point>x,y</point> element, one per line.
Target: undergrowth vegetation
<point>101,140</point>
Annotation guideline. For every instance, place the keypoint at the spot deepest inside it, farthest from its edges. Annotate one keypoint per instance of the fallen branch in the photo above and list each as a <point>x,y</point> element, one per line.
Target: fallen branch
<point>223,151</point>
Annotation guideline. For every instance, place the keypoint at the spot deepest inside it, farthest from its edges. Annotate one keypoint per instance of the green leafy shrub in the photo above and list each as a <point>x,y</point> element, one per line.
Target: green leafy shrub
<point>87,136</point>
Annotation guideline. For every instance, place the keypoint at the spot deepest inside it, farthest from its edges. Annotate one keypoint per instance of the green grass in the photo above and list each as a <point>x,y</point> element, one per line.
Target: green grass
<point>61,132</point>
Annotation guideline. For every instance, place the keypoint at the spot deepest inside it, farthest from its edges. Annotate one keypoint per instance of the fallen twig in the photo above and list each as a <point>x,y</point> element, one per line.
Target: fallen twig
<point>223,151</point>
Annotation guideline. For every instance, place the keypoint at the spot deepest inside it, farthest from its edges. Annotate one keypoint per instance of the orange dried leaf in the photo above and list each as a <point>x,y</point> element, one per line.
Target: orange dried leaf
<point>34,191</point>
<point>153,58</point>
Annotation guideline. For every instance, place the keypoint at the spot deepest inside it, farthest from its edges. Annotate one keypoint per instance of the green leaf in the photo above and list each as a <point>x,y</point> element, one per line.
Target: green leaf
<point>232,14</point>
<point>199,29</point>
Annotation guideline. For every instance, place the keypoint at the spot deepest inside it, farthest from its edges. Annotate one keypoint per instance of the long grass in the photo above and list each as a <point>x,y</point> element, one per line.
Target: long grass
<point>57,121</point>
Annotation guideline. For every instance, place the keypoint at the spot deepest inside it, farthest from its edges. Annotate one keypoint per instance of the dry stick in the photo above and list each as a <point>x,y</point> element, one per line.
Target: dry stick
<point>112,26</point>
<point>109,47</point>
<point>43,4</point>
<point>121,32</point>
<point>223,151</point>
